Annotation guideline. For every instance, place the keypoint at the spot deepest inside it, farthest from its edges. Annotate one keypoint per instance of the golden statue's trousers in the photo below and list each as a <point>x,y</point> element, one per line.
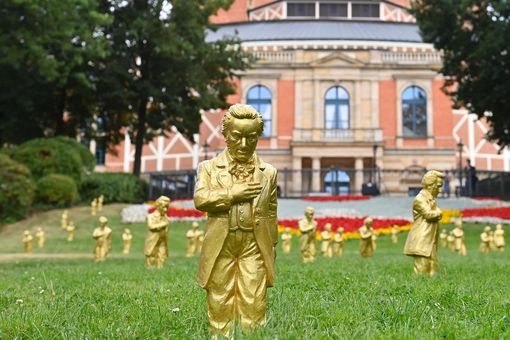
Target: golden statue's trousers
<point>236,290</point>
<point>426,265</point>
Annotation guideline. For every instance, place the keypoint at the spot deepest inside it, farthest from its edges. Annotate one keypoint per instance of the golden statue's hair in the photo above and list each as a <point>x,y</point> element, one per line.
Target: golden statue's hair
<point>241,111</point>
<point>431,177</point>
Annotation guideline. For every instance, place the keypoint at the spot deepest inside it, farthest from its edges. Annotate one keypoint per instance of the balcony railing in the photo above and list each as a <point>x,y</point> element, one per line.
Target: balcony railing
<point>338,135</point>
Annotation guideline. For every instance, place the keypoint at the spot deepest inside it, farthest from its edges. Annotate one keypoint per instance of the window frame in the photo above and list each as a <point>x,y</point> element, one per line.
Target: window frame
<point>337,103</point>
<point>256,102</point>
<point>414,103</point>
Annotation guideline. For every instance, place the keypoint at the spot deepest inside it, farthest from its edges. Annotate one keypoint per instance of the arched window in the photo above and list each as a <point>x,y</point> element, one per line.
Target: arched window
<point>337,182</point>
<point>261,99</point>
<point>414,112</point>
<point>336,108</point>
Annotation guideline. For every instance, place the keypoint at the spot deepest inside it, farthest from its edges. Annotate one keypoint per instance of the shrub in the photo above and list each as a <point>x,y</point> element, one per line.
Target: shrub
<point>87,158</point>
<point>17,189</point>
<point>47,156</point>
<point>57,190</point>
<point>116,187</point>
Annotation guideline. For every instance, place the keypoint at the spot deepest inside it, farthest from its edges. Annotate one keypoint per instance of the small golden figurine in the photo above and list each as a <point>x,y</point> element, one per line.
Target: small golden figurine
<point>307,242</point>
<point>63,220</point>
<point>394,234</point>
<point>103,237</point>
<point>422,239</point>
<point>338,242</point>
<point>100,201</point>
<point>93,207</point>
<point>375,235</point>
<point>326,246</point>
<point>492,245</point>
<point>451,241</point>
<point>193,236</point>
<point>39,236</point>
<point>499,238</point>
<point>27,241</point>
<point>286,241</point>
<point>366,241</point>
<point>156,243</point>
<point>460,244</point>
<point>70,231</point>
<point>238,191</point>
<point>485,239</point>
<point>443,237</point>
<point>127,239</point>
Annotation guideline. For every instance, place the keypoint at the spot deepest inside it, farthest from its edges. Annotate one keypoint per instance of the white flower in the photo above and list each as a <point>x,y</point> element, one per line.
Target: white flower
<point>41,291</point>
<point>175,310</point>
<point>19,301</point>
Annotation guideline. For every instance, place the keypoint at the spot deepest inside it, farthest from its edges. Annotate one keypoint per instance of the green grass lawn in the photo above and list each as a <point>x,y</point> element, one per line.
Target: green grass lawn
<point>332,298</point>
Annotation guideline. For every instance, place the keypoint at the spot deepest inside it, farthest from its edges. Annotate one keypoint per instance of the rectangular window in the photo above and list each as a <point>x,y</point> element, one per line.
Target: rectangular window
<point>333,10</point>
<point>301,9</point>
<point>365,10</point>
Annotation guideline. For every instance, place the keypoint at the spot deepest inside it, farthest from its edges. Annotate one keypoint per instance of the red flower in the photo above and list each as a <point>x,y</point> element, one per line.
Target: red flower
<point>181,212</point>
<point>348,223</point>
<point>500,212</point>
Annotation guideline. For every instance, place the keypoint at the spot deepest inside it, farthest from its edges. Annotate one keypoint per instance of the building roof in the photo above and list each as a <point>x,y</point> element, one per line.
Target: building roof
<point>318,30</point>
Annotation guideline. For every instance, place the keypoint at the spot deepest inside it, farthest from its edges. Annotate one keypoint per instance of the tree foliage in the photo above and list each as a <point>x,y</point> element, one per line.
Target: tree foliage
<point>474,36</point>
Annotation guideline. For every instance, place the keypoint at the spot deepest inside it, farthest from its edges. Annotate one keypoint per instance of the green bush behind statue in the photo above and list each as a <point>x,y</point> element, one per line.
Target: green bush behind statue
<point>116,187</point>
<point>17,189</point>
<point>56,190</point>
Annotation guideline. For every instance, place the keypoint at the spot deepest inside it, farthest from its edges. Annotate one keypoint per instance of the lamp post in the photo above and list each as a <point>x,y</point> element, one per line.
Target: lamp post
<point>374,166</point>
<point>205,146</point>
<point>460,146</point>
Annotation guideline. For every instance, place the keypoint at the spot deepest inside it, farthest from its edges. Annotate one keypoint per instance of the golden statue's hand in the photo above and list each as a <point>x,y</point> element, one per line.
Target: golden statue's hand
<point>245,191</point>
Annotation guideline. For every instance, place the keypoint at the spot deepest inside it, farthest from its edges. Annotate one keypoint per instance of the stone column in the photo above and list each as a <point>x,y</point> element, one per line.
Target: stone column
<point>316,174</point>
<point>358,176</point>
<point>296,175</point>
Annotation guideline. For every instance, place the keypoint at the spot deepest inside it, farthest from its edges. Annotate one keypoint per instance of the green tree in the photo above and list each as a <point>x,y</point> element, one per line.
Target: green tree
<point>48,58</point>
<point>474,36</point>
<point>162,71</point>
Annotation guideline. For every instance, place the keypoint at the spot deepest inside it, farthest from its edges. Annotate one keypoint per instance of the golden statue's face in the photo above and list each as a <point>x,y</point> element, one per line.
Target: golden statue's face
<point>242,139</point>
<point>436,187</point>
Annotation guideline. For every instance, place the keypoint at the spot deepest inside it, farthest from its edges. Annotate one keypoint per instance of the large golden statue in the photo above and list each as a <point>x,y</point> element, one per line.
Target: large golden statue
<point>443,237</point>
<point>156,243</point>
<point>485,239</point>
<point>460,243</point>
<point>338,242</point>
<point>422,239</point>
<point>394,234</point>
<point>103,237</point>
<point>127,239</point>
<point>70,231</point>
<point>286,241</point>
<point>238,191</point>
<point>39,236</point>
<point>366,238</point>
<point>307,242</point>
<point>64,220</point>
<point>326,246</point>
<point>499,237</point>
<point>193,236</point>
<point>27,241</point>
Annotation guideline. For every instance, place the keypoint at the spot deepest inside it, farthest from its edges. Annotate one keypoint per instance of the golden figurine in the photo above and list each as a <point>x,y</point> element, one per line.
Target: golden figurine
<point>338,242</point>
<point>492,245</point>
<point>286,241</point>
<point>127,239</point>
<point>70,231</point>
<point>93,207</point>
<point>103,237</point>
<point>39,236</point>
<point>451,241</point>
<point>375,235</point>
<point>422,239</point>
<point>485,239</point>
<point>307,242</point>
<point>394,234</point>
<point>366,240</point>
<point>156,243</point>
<point>499,238</point>
<point>27,241</point>
<point>460,244</point>
<point>326,246</point>
<point>238,191</point>
<point>193,237</point>
<point>443,237</point>
<point>100,201</point>
<point>64,220</point>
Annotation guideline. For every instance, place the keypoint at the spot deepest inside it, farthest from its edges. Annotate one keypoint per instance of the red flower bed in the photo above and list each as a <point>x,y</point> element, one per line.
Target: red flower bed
<point>500,212</point>
<point>336,198</point>
<point>348,223</point>
<point>181,212</point>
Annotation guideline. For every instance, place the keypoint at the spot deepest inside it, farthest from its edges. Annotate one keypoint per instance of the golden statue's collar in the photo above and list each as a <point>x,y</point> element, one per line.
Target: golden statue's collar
<point>222,161</point>
<point>426,194</point>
